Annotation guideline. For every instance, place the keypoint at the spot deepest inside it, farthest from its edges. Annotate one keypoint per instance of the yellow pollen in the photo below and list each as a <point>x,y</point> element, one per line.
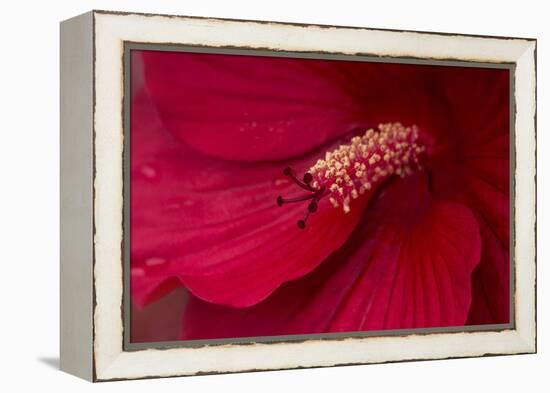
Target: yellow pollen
<point>355,168</point>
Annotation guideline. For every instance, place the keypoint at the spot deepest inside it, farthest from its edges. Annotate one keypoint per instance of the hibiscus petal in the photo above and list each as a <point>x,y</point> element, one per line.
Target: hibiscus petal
<point>484,187</point>
<point>252,105</point>
<point>478,175</point>
<point>491,282</point>
<point>214,225</point>
<point>270,108</point>
<point>486,190</point>
<point>408,265</point>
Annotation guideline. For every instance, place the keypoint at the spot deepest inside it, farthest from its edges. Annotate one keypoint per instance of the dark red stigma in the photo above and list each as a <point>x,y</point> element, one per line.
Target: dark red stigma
<point>314,195</point>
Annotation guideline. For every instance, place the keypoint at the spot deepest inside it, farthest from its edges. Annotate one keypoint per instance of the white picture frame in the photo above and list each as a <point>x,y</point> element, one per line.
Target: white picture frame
<point>92,195</point>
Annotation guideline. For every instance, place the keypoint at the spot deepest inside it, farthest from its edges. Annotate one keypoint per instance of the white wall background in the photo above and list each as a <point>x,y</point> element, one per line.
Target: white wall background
<point>29,182</point>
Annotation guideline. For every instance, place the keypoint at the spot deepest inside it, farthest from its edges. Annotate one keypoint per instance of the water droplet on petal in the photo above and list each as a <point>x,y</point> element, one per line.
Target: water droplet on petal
<point>280,183</point>
<point>188,203</point>
<point>137,272</point>
<point>155,261</point>
<point>148,171</point>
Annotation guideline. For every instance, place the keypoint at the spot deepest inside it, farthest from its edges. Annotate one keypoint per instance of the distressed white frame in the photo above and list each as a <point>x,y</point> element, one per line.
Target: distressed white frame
<point>109,361</point>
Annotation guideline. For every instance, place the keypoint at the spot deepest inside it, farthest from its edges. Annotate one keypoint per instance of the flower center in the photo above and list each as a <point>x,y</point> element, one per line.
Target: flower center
<point>358,167</point>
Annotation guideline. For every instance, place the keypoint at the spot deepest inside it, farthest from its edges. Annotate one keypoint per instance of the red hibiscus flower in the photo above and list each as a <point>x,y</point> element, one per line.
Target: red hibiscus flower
<point>291,196</point>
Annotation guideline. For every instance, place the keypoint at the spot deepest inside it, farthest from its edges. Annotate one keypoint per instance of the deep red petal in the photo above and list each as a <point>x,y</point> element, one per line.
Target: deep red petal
<point>491,282</point>
<point>214,225</point>
<point>407,266</point>
<point>249,108</point>
<point>476,172</point>
<point>254,108</point>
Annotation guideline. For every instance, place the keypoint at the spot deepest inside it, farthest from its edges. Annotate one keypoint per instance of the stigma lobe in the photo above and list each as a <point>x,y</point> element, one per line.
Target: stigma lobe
<point>314,195</point>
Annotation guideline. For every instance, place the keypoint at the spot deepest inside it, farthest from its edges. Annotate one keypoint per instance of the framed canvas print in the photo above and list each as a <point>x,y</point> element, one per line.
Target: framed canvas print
<point>244,195</point>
